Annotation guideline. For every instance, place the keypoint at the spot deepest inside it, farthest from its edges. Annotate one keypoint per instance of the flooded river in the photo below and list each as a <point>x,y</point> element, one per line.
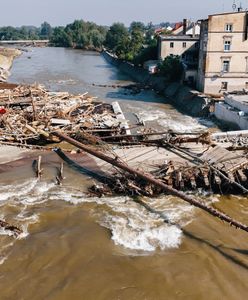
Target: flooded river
<point>75,247</point>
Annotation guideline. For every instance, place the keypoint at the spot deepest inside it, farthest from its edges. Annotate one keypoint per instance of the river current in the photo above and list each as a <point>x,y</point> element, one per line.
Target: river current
<point>75,247</point>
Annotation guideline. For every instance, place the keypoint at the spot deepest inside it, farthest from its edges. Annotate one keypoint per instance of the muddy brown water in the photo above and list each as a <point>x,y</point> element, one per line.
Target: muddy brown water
<point>75,247</point>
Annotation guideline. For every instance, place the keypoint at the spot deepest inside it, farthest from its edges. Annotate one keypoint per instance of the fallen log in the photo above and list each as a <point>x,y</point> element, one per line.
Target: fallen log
<point>16,231</point>
<point>147,177</point>
<point>81,169</point>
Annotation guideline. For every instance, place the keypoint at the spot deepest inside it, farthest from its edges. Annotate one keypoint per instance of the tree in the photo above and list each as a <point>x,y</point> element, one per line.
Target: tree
<point>148,53</point>
<point>172,68</point>
<point>79,34</point>
<point>137,26</point>
<point>137,34</point>
<point>60,38</point>
<point>46,30</point>
<point>117,37</point>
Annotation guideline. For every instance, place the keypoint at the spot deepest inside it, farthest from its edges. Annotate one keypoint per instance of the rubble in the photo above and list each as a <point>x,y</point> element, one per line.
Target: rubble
<point>29,113</point>
<point>31,116</point>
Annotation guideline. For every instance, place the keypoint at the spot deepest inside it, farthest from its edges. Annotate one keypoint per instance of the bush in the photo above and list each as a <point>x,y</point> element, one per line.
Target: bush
<point>171,68</point>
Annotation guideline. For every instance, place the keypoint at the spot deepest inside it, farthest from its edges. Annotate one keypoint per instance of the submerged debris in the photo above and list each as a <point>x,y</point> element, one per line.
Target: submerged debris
<point>13,229</point>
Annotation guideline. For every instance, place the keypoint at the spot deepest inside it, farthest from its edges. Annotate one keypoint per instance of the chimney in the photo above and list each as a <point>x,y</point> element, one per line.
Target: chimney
<point>184,26</point>
<point>193,29</point>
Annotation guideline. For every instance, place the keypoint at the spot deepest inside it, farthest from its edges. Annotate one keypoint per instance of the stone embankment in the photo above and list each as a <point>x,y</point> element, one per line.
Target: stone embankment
<point>7,56</point>
<point>181,96</point>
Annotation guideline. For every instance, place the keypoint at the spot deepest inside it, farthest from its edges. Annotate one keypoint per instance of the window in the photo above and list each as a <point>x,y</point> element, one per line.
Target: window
<point>246,64</point>
<point>227,45</point>
<point>229,27</point>
<point>223,86</point>
<point>225,65</point>
<point>197,44</point>
<point>246,85</point>
<point>184,44</point>
<point>171,45</point>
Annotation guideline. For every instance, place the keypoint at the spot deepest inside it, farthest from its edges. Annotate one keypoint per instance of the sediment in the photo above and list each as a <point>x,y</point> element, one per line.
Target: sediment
<point>7,56</point>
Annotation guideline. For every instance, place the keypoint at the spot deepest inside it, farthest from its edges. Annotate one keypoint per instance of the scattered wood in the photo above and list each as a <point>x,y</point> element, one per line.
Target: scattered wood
<point>29,113</point>
<point>155,182</point>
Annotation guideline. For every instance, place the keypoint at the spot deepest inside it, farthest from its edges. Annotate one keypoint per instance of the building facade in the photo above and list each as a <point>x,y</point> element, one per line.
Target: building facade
<point>185,46</point>
<point>223,54</point>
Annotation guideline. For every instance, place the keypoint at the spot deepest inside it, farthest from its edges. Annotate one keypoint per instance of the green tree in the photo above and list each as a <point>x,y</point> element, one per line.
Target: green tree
<point>60,38</point>
<point>46,30</point>
<point>172,68</point>
<point>148,53</point>
<point>137,39</point>
<point>117,37</point>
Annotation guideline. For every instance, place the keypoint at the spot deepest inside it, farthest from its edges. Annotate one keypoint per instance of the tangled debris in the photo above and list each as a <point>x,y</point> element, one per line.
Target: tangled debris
<point>29,113</point>
<point>33,116</point>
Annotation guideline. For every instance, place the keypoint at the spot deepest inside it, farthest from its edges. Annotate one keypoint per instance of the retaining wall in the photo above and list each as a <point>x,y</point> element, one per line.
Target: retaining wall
<point>181,96</point>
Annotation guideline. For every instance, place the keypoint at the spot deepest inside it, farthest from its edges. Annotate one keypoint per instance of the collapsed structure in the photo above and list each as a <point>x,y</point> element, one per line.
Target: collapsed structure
<point>148,162</point>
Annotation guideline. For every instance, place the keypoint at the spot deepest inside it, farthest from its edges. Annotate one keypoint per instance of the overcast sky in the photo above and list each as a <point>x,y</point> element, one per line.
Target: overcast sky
<point>105,12</point>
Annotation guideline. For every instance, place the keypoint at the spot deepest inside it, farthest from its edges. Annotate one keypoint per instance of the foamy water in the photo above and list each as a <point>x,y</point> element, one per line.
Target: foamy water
<point>131,225</point>
<point>171,120</point>
<point>134,227</point>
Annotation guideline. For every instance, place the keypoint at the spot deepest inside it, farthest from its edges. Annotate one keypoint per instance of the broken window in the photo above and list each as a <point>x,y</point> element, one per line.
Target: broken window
<point>171,45</point>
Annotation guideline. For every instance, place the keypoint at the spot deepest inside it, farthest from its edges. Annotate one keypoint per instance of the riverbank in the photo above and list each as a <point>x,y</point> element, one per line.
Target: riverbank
<point>182,97</point>
<point>11,153</point>
<point>7,56</point>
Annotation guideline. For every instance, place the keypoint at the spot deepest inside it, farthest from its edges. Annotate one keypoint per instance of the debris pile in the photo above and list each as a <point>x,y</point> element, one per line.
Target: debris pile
<point>29,113</point>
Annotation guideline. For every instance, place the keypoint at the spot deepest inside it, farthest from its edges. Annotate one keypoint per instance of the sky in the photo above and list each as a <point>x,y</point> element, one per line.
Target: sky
<point>106,12</point>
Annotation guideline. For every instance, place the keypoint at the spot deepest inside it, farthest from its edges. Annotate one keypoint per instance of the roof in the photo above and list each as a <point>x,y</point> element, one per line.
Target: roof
<point>179,38</point>
<point>229,13</point>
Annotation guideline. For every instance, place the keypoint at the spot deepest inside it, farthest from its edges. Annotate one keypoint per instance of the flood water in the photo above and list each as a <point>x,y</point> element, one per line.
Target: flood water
<point>75,247</point>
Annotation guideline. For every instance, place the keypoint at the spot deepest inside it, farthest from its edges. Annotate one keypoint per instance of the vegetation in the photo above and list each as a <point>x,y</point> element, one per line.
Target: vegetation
<point>79,34</point>
<point>172,68</point>
<point>26,32</point>
<point>134,44</point>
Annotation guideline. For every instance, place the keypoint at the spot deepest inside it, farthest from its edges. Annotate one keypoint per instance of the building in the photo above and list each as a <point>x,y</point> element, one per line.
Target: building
<point>184,45</point>
<point>223,55</point>
<point>186,28</point>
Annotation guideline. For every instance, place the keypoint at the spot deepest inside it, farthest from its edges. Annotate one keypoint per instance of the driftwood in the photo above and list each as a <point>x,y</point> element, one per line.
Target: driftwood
<point>30,112</point>
<point>14,229</point>
<point>60,174</point>
<point>147,177</point>
<point>37,167</point>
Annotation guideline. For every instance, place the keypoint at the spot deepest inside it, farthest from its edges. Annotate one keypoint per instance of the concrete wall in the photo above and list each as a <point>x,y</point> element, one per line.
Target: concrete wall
<point>239,102</point>
<point>226,113</point>
<point>179,95</point>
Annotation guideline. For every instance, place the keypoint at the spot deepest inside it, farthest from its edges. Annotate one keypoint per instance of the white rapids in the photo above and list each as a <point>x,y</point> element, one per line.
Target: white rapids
<point>132,226</point>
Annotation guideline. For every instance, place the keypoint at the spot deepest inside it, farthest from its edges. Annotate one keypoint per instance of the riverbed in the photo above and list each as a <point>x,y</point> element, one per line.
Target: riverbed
<point>75,247</point>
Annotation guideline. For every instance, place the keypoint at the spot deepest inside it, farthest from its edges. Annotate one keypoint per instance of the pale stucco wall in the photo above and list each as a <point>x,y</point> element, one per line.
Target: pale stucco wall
<point>178,48</point>
<point>237,76</point>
